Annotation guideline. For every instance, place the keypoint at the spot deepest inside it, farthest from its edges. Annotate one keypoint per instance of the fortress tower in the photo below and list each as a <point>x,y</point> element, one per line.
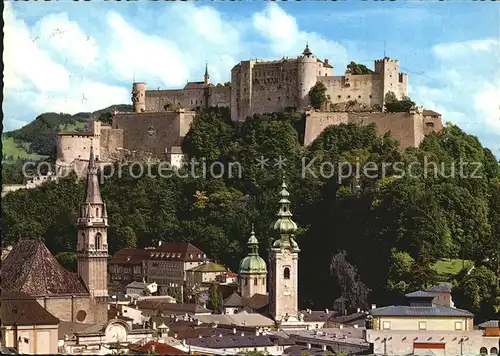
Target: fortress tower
<point>283,264</point>
<point>139,97</point>
<point>253,270</point>
<point>307,66</point>
<point>92,225</point>
<point>390,78</point>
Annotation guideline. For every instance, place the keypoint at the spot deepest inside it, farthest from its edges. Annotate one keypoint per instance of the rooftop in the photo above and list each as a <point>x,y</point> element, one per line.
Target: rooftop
<point>130,256</point>
<point>32,269</point>
<point>177,252</point>
<point>155,347</point>
<point>240,319</point>
<point>435,310</point>
<point>419,294</point>
<point>237,341</point>
<point>21,309</point>
<point>489,324</point>
<point>442,288</point>
<point>209,267</point>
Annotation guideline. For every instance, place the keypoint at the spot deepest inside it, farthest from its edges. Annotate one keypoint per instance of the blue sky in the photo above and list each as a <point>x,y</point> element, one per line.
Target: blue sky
<point>74,56</point>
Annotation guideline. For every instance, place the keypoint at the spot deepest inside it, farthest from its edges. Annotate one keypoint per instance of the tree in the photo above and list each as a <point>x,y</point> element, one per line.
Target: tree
<point>146,292</point>
<point>393,104</point>
<point>214,302</point>
<point>400,271</point>
<point>68,260</point>
<point>358,69</point>
<point>317,95</point>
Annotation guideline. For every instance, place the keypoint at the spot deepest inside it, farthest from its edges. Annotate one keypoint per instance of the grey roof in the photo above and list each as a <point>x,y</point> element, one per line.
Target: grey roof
<point>419,294</point>
<point>489,324</point>
<point>234,300</point>
<point>238,341</point>
<point>435,310</point>
<point>318,315</point>
<point>136,284</point>
<point>442,288</point>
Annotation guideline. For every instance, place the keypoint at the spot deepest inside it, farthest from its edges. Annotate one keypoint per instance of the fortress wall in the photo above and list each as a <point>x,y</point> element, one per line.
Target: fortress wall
<point>111,139</point>
<point>316,122</point>
<point>156,99</point>
<point>432,124</point>
<point>75,145</point>
<point>401,125</point>
<point>274,86</point>
<point>149,132</point>
<point>193,98</point>
<point>366,89</point>
<point>220,96</point>
<point>185,121</point>
<point>407,129</point>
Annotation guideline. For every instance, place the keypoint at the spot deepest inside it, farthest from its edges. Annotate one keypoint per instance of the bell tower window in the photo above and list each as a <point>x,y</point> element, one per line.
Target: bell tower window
<point>98,241</point>
<point>96,212</point>
<point>286,273</point>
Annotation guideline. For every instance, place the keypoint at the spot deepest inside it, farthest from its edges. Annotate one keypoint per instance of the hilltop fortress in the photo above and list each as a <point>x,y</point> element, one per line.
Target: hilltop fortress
<point>161,118</point>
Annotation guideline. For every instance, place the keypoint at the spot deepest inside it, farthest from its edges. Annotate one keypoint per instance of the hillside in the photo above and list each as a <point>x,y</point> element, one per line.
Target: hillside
<point>37,139</point>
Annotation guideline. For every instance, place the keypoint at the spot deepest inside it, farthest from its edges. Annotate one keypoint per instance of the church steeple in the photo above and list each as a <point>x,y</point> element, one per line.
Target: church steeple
<point>92,225</point>
<point>284,225</point>
<point>253,270</point>
<point>283,264</point>
<point>206,77</point>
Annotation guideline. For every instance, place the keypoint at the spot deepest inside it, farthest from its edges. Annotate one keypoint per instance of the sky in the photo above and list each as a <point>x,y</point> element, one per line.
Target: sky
<point>83,56</point>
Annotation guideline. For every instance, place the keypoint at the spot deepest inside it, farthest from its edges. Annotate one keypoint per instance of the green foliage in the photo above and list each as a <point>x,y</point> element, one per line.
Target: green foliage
<point>255,353</point>
<point>317,95</point>
<point>146,292</point>
<point>68,260</point>
<point>358,69</point>
<point>480,291</point>
<point>393,104</point>
<point>390,223</point>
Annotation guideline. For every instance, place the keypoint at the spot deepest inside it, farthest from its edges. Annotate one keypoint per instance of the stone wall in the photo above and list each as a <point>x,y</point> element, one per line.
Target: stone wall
<point>366,89</point>
<point>153,132</point>
<point>408,128</point>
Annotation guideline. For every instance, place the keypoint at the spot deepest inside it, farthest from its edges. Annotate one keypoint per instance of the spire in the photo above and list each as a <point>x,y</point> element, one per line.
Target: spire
<point>92,192</point>
<point>206,76</point>
<point>307,51</point>
<point>284,224</point>
<point>253,243</point>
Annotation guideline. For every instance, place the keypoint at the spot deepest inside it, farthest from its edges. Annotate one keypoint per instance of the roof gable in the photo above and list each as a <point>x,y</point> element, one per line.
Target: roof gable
<point>31,268</point>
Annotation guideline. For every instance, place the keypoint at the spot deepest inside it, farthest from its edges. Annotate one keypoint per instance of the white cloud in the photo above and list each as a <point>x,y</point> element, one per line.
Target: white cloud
<point>467,88</point>
<point>58,33</point>
<point>285,38</point>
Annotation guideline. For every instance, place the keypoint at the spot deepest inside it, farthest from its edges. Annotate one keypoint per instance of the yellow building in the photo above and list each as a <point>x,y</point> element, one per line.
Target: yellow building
<point>26,325</point>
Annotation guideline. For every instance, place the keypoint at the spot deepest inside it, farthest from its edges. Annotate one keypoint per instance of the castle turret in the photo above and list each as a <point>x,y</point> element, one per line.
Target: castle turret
<point>139,97</point>
<point>392,79</point>
<point>92,225</point>
<point>308,67</point>
<point>253,270</point>
<point>283,264</point>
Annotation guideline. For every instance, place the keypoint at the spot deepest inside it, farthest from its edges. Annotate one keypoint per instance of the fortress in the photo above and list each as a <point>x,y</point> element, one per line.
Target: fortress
<point>161,118</point>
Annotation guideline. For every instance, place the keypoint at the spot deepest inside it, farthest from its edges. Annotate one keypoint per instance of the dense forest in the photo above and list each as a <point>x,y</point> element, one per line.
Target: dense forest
<point>392,226</point>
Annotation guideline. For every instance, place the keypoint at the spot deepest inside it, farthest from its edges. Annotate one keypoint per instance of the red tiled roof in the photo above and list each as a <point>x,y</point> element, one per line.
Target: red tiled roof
<point>21,309</point>
<point>177,252</point>
<point>158,348</point>
<point>31,268</point>
<point>130,256</point>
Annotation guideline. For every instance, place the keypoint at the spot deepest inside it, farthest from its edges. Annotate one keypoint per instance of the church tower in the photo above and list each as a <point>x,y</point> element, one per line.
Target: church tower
<point>253,270</point>
<point>92,225</point>
<point>283,265</point>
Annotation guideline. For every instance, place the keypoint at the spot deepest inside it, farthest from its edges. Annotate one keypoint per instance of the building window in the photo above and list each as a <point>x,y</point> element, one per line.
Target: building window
<point>494,351</point>
<point>422,325</point>
<point>286,273</point>
<point>255,281</point>
<point>458,325</point>
<point>98,241</point>
<point>348,96</point>
<point>340,96</point>
<point>386,325</point>
<point>370,96</point>
<point>246,281</point>
<point>96,212</point>
<point>263,281</point>
<point>359,96</point>
<point>483,351</point>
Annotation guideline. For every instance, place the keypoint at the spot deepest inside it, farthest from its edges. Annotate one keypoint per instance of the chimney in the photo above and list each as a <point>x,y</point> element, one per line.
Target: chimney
<point>327,311</point>
<point>154,325</point>
<point>256,332</point>
<point>326,61</point>
<point>341,326</point>
<point>355,326</point>
<point>374,306</point>
<point>234,331</point>
<point>242,334</point>
<point>308,346</point>
<point>199,336</point>
<point>175,335</point>
<point>323,347</point>
<point>358,310</point>
<point>159,243</point>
